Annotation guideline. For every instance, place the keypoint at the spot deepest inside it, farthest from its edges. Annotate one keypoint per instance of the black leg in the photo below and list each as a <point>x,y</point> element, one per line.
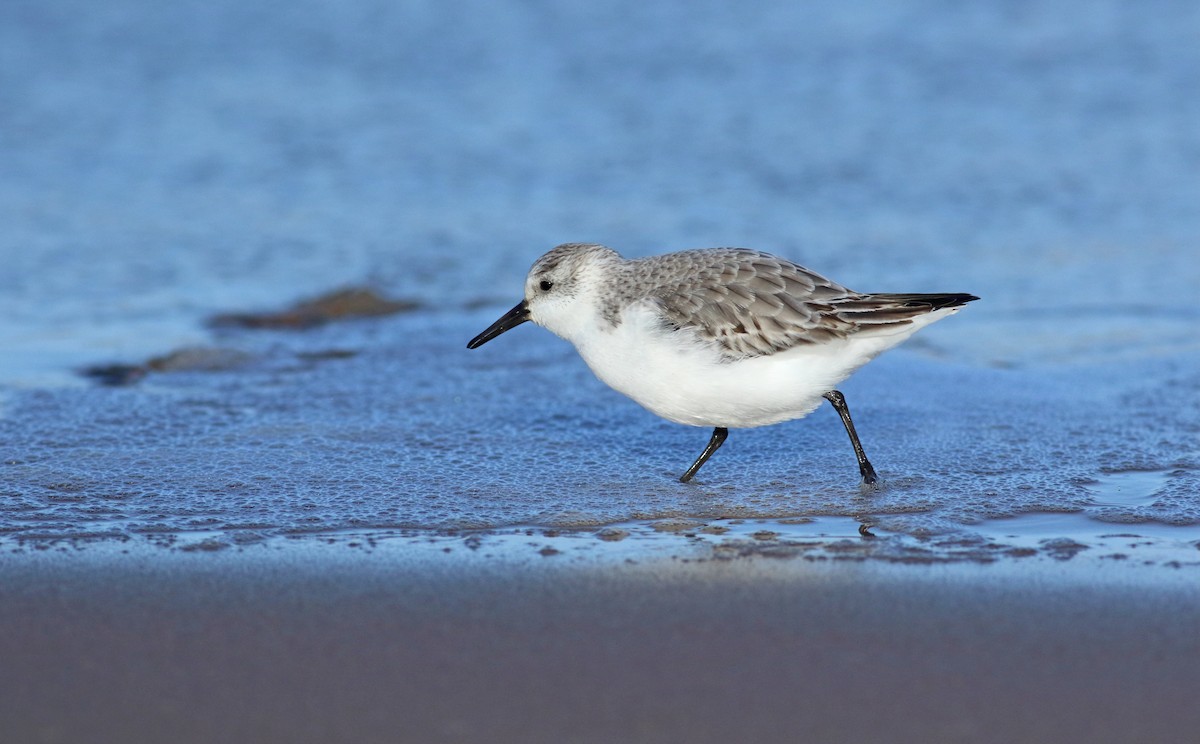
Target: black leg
<point>718,438</point>
<point>864,465</point>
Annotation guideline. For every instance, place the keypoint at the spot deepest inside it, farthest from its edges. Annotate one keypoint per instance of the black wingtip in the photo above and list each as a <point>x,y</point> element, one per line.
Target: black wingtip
<point>940,301</point>
<point>957,300</point>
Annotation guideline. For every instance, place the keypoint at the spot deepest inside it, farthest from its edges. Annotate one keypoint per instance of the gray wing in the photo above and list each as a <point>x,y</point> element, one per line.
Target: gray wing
<point>755,304</point>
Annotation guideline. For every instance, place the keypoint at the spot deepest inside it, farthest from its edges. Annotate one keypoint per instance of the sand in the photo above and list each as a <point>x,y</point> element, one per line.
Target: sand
<point>324,644</point>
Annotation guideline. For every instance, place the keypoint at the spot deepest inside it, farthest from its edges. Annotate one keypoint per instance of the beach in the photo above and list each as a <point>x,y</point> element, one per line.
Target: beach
<point>254,487</point>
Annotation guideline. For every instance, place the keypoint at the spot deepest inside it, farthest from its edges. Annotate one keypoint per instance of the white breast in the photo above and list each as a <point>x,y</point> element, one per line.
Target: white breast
<point>676,377</point>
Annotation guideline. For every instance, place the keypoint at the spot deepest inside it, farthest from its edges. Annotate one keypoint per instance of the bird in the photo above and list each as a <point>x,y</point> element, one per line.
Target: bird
<point>726,338</point>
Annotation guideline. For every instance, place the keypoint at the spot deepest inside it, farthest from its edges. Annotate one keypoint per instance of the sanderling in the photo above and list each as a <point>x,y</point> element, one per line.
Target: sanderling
<point>720,337</point>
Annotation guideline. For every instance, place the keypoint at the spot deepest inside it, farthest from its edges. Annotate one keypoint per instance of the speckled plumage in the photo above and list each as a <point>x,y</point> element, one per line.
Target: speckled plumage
<point>747,302</point>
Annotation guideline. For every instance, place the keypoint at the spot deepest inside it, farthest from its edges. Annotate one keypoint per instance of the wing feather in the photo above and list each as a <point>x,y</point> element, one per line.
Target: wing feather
<point>755,304</point>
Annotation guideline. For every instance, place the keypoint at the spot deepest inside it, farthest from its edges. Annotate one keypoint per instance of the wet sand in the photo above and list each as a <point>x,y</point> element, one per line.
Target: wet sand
<point>330,643</point>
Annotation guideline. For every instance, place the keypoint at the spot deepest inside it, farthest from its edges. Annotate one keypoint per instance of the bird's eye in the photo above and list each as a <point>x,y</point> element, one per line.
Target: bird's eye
<point>545,286</point>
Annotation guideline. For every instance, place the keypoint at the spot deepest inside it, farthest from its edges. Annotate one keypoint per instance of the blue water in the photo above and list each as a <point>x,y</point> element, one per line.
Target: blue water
<point>161,163</point>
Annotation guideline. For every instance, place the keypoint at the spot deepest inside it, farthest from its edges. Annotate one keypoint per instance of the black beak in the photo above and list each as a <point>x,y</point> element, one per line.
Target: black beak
<point>511,319</point>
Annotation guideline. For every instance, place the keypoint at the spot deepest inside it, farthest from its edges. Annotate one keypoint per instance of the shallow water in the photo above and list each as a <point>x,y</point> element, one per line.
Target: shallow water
<point>165,164</point>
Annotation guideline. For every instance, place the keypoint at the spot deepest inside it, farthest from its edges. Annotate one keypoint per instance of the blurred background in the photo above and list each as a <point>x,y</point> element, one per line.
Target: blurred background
<point>165,163</point>
<point>161,162</point>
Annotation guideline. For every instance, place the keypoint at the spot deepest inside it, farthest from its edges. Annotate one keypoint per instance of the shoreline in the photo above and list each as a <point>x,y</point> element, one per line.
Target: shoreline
<point>1030,537</point>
